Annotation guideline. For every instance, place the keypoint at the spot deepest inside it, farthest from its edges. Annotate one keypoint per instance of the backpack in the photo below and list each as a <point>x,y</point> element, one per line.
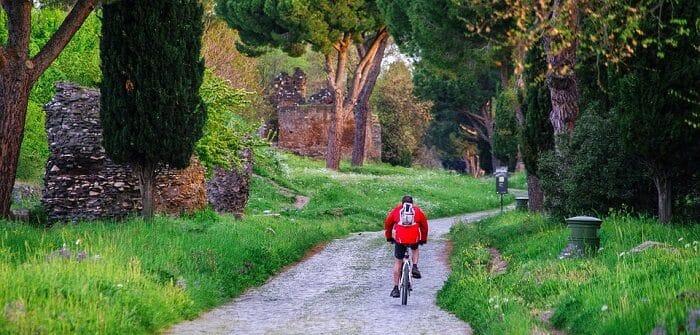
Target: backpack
<point>407,214</point>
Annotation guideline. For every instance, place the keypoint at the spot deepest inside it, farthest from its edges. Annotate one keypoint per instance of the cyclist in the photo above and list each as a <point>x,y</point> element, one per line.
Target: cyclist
<point>406,226</point>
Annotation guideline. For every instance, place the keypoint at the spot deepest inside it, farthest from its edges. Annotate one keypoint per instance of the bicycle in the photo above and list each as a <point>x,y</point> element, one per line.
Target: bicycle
<point>405,282</point>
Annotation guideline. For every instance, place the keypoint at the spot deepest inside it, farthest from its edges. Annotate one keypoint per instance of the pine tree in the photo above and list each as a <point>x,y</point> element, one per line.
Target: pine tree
<point>152,113</point>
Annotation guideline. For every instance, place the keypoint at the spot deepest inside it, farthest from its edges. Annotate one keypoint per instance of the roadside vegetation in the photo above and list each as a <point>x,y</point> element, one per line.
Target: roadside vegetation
<point>140,276</point>
<point>615,292</point>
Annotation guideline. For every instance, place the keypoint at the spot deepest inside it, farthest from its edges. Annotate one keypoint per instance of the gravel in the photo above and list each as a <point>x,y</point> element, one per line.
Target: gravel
<point>343,289</point>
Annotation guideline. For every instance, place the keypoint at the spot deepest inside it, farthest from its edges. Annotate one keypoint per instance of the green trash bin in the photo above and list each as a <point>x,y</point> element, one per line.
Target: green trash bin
<point>584,233</point>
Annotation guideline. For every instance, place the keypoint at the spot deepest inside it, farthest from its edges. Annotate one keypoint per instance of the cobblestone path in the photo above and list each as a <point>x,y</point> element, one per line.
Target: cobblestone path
<point>343,289</point>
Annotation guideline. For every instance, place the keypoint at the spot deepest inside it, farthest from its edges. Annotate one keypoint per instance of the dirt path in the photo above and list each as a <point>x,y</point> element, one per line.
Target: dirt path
<point>343,289</point>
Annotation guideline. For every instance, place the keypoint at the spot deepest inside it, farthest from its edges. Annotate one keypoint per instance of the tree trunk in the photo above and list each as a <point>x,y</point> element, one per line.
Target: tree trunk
<point>344,102</point>
<point>663,190</point>
<point>18,73</point>
<point>336,81</point>
<point>534,193</point>
<point>14,98</point>
<point>561,76</point>
<point>147,178</point>
<point>489,123</point>
<point>334,133</point>
<point>362,107</point>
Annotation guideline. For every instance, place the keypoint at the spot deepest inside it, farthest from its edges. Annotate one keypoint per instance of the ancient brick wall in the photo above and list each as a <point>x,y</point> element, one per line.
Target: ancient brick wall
<point>303,123</point>
<point>82,183</point>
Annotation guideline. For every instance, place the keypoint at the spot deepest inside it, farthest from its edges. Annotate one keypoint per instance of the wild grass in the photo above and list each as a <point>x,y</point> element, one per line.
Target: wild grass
<point>134,277</point>
<point>615,292</point>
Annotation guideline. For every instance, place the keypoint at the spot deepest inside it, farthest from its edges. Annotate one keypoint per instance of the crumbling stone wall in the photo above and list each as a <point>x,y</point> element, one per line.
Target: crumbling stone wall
<point>181,191</point>
<point>82,183</point>
<point>303,124</point>
<point>228,190</point>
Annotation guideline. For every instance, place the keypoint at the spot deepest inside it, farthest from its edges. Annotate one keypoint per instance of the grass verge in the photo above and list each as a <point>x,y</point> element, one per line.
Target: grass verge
<point>134,277</point>
<point>616,292</point>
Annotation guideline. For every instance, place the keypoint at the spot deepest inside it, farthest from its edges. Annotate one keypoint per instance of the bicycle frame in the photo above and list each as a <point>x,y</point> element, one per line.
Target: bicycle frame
<point>405,281</point>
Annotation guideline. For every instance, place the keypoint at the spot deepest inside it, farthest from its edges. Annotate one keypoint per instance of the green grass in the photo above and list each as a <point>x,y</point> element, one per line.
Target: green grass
<point>517,180</point>
<point>367,193</point>
<point>613,293</point>
<point>139,277</point>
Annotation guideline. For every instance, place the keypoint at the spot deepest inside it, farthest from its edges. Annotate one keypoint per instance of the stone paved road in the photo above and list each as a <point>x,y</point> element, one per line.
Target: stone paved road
<point>343,289</point>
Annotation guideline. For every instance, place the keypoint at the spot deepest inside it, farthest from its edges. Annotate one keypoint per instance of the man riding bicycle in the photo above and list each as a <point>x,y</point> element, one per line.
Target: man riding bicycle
<point>407,227</point>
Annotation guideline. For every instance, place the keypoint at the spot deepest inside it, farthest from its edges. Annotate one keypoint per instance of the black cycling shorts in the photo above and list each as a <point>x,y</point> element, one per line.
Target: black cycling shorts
<point>400,249</point>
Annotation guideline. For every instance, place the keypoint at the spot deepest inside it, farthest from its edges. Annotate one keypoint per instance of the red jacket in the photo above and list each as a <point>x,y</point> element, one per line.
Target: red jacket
<point>406,235</point>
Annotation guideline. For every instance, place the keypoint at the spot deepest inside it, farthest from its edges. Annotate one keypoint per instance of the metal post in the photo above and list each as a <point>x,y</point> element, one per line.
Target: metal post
<point>501,202</point>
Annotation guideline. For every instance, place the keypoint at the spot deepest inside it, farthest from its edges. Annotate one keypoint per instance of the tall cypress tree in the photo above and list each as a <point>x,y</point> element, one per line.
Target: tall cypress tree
<point>152,70</point>
<point>537,133</point>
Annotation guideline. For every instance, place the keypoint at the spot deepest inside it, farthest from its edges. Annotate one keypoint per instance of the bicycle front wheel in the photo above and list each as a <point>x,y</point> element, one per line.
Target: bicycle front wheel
<point>405,284</point>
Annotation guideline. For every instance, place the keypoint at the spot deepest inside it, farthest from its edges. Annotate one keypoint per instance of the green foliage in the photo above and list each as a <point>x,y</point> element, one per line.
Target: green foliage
<point>35,149</point>
<point>225,132</point>
<point>453,98</point>
<point>141,276</point>
<point>404,118</point>
<point>151,109</point>
<point>506,131</point>
<point>455,70</point>
<point>365,193</point>
<point>600,174</point>
<point>536,136</point>
<point>436,31</point>
<point>652,114</point>
<point>614,292</point>
<point>650,101</point>
<point>290,25</point>
<point>78,62</point>
<point>517,180</point>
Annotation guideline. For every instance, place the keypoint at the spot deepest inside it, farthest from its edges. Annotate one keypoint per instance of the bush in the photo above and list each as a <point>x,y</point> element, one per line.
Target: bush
<point>599,174</point>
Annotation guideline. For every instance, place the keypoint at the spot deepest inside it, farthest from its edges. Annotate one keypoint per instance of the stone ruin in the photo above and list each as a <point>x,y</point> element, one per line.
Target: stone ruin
<point>288,91</point>
<point>179,191</point>
<point>303,123</point>
<point>228,189</point>
<point>82,183</point>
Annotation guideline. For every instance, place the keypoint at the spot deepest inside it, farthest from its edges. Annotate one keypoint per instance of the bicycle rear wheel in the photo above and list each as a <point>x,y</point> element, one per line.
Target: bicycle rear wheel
<point>405,283</point>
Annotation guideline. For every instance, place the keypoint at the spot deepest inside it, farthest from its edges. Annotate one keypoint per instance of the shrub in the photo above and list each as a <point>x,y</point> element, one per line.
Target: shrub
<point>600,175</point>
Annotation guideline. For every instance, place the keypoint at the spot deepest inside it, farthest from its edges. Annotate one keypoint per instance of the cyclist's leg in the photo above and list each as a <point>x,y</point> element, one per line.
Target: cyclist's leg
<point>399,251</point>
<point>414,254</point>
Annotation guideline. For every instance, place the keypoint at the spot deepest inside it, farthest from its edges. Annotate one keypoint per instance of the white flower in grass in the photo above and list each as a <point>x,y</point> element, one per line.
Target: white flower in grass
<point>77,242</point>
<point>603,308</point>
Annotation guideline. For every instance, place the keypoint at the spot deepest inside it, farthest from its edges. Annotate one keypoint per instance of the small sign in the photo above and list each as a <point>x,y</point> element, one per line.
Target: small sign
<point>501,180</point>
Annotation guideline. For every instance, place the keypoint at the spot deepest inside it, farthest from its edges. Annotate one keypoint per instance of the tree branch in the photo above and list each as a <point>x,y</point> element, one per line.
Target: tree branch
<point>365,65</point>
<point>19,20</point>
<point>48,53</point>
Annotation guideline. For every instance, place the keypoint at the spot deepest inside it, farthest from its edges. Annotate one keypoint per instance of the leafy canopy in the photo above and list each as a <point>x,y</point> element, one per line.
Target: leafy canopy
<point>292,24</point>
